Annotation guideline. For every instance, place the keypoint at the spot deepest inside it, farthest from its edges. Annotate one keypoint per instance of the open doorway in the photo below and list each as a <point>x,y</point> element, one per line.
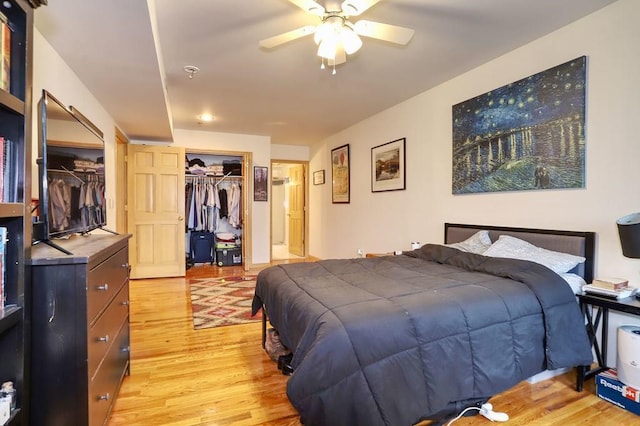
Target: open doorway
<point>288,209</point>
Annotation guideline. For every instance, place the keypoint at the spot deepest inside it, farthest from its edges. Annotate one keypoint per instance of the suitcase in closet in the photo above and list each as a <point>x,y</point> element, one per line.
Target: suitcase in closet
<point>201,245</point>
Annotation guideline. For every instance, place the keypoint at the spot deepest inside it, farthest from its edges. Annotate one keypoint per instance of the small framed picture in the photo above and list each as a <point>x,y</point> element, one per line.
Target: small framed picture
<point>318,177</point>
<point>388,171</point>
<point>260,183</point>
<point>340,175</point>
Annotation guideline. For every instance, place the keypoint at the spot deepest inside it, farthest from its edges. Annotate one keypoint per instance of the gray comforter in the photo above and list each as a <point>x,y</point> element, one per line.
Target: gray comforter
<point>393,340</point>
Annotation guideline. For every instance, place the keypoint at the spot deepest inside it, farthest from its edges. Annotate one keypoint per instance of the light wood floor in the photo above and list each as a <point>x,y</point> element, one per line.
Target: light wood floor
<point>221,376</point>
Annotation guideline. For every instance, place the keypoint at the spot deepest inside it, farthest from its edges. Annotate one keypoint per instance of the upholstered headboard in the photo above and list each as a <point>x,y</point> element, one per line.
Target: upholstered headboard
<point>573,242</point>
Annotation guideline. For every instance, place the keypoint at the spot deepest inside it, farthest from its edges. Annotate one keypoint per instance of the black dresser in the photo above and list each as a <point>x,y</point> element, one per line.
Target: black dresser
<point>79,329</point>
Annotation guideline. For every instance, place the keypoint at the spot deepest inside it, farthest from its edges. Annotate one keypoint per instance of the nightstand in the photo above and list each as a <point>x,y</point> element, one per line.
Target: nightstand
<point>379,254</point>
<point>629,305</point>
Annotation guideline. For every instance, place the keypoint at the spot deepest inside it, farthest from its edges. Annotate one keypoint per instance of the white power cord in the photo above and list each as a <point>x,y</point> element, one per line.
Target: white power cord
<point>487,411</point>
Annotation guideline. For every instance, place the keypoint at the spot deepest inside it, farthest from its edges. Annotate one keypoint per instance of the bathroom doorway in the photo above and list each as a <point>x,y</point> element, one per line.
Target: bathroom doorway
<point>288,209</point>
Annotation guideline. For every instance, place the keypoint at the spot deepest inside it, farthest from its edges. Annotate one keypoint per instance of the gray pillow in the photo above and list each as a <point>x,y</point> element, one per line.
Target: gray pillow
<point>515,248</point>
<point>477,243</point>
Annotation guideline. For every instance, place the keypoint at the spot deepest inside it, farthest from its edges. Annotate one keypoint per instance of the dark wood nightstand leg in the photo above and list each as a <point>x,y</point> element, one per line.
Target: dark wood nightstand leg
<point>583,372</point>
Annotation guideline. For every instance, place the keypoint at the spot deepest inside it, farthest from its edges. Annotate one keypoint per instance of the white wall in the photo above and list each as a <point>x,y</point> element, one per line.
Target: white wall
<point>379,222</point>
<point>50,72</point>
<point>290,152</point>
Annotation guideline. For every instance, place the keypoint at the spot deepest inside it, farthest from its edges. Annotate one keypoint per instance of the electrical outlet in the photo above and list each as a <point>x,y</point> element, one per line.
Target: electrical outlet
<point>360,253</point>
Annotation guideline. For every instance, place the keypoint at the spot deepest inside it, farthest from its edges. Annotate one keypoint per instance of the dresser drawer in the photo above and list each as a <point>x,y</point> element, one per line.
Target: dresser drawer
<point>103,332</point>
<point>104,281</point>
<point>106,383</point>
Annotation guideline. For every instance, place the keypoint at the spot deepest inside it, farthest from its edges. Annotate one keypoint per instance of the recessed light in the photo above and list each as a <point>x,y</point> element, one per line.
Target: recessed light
<point>205,117</point>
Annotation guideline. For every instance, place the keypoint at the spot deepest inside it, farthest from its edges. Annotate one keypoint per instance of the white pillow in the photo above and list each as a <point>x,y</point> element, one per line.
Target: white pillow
<point>515,248</point>
<point>477,243</point>
<point>575,281</point>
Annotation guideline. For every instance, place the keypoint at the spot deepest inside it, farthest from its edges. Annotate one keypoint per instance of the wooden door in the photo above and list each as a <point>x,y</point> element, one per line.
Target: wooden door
<point>296,209</point>
<point>156,211</point>
<point>121,182</point>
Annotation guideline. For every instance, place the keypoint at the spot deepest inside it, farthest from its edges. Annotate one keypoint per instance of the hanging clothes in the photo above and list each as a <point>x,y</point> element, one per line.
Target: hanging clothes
<point>76,204</point>
<point>234,206</point>
<point>224,206</point>
<point>209,200</point>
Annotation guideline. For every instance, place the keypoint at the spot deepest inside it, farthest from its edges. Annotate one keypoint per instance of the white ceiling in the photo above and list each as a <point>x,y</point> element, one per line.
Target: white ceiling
<point>131,55</point>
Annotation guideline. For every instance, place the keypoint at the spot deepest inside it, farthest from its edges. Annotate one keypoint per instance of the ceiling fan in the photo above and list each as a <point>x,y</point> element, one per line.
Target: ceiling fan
<point>336,36</point>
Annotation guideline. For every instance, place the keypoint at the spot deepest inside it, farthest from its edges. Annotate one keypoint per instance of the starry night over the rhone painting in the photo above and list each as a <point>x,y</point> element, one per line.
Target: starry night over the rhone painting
<point>525,135</point>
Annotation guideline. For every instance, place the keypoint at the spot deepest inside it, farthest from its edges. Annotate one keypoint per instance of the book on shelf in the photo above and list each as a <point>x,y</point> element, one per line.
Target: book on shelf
<point>613,294</point>
<point>610,283</point>
<point>2,166</point>
<point>5,53</point>
<point>9,176</point>
<point>3,241</point>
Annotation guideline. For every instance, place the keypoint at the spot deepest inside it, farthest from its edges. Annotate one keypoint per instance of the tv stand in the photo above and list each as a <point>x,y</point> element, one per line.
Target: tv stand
<point>109,230</point>
<point>89,233</point>
<point>54,245</point>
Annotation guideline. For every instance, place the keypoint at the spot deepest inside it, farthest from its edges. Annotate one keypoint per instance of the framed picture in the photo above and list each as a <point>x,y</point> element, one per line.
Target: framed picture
<point>340,178</point>
<point>318,177</point>
<point>260,181</point>
<point>388,169</point>
<point>526,135</point>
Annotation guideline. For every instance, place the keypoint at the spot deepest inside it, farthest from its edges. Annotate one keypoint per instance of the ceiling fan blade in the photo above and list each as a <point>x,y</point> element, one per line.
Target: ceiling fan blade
<point>309,6</point>
<point>357,7</point>
<point>386,32</point>
<point>274,41</point>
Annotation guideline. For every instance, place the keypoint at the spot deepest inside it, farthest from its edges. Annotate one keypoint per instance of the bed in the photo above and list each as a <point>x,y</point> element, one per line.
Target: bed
<point>394,340</point>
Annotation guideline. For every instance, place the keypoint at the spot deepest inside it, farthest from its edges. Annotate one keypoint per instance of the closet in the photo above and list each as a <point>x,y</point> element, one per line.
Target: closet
<point>214,209</point>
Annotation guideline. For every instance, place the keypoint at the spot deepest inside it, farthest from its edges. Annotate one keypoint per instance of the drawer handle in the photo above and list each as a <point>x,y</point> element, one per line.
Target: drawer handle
<point>126,265</point>
<point>103,287</point>
<point>125,303</point>
<point>125,349</point>
<point>104,397</point>
<point>104,339</point>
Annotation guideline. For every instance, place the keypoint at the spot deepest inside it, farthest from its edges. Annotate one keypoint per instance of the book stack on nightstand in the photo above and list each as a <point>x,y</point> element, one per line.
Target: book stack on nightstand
<point>615,288</point>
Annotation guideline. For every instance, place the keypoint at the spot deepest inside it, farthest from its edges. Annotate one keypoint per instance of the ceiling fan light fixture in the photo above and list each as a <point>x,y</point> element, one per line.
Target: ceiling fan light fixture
<point>351,41</point>
<point>322,32</point>
<point>327,48</point>
<point>336,36</point>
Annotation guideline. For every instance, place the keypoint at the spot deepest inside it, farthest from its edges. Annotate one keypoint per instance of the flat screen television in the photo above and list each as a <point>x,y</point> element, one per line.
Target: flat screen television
<point>71,173</point>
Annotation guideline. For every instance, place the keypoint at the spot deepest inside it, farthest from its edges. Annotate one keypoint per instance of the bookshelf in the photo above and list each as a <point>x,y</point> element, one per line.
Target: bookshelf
<point>16,30</point>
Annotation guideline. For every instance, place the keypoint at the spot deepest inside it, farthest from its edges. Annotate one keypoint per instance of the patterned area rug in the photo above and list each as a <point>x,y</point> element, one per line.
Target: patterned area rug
<point>222,301</point>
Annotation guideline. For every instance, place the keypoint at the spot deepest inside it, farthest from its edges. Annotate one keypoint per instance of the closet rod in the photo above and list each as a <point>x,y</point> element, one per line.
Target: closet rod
<point>195,177</point>
<point>66,171</point>
<point>223,178</point>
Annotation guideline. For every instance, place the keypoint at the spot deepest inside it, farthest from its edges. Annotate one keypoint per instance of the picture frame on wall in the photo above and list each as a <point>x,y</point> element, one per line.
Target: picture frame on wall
<point>525,135</point>
<point>340,175</point>
<point>260,183</point>
<point>318,177</point>
<point>388,166</point>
